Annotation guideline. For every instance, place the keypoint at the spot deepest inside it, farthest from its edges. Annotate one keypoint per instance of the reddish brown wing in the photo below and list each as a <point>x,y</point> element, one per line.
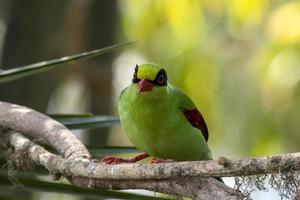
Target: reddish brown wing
<point>197,120</point>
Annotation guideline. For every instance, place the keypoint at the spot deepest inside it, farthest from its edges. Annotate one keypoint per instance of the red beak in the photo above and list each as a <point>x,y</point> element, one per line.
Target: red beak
<point>144,85</point>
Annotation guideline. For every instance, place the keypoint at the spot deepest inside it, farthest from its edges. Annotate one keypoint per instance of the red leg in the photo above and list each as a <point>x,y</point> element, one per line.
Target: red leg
<point>155,160</point>
<point>110,160</point>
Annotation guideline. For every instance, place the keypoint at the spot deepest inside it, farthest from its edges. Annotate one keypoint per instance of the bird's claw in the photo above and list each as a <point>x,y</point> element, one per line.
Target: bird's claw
<point>156,161</point>
<point>111,160</point>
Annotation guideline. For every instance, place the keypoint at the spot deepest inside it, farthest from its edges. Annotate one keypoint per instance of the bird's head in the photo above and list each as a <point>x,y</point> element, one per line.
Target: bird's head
<point>149,77</point>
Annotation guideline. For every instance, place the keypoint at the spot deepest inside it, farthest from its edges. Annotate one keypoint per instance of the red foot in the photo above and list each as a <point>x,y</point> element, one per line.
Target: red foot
<point>156,160</point>
<point>110,160</point>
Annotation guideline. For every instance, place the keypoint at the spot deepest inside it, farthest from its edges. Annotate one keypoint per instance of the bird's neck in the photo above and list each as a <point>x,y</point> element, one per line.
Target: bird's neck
<point>156,96</point>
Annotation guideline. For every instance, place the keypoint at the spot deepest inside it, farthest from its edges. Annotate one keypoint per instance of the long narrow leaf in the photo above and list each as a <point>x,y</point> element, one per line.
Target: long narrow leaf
<point>112,150</point>
<point>19,72</point>
<point>68,116</point>
<point>85,121</point>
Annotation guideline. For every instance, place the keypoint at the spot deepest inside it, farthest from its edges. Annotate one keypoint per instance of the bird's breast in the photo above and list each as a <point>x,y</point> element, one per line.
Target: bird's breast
<point>145,121</point>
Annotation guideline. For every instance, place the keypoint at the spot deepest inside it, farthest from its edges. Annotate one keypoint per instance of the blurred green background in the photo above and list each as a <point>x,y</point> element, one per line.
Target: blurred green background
<point>239,60</point>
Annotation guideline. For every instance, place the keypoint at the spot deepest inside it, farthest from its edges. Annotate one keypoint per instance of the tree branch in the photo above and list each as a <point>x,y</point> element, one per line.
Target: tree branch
<point>189,179</point>
<point>41,127</point>
<point>81,172</point>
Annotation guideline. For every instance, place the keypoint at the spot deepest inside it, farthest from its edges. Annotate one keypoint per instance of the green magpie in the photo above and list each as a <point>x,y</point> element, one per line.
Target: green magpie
<point>160,120</point>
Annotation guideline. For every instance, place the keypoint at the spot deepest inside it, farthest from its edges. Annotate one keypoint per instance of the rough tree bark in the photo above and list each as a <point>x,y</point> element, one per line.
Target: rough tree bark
<point>191,179</point>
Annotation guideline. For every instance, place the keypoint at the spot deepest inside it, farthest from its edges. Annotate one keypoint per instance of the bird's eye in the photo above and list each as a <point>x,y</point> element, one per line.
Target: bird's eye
<point>161,78</point>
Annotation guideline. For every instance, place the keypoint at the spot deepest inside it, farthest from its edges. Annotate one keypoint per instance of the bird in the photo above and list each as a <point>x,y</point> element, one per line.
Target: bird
<point>160,120</point>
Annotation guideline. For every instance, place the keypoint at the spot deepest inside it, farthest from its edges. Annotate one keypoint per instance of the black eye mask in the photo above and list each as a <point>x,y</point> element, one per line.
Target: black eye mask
<point>135,78</point>
<point>161,78</point>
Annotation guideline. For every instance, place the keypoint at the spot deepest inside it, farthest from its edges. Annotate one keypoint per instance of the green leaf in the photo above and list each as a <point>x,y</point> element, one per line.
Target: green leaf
<point>67,116</point>
<point>104,151</point>
<point>85,121</point>
<point>46,186</point>
<point>23,71</point>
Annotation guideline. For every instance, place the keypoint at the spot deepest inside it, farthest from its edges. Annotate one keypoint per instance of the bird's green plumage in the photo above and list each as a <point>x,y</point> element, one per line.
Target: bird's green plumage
<point>154,122</point>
